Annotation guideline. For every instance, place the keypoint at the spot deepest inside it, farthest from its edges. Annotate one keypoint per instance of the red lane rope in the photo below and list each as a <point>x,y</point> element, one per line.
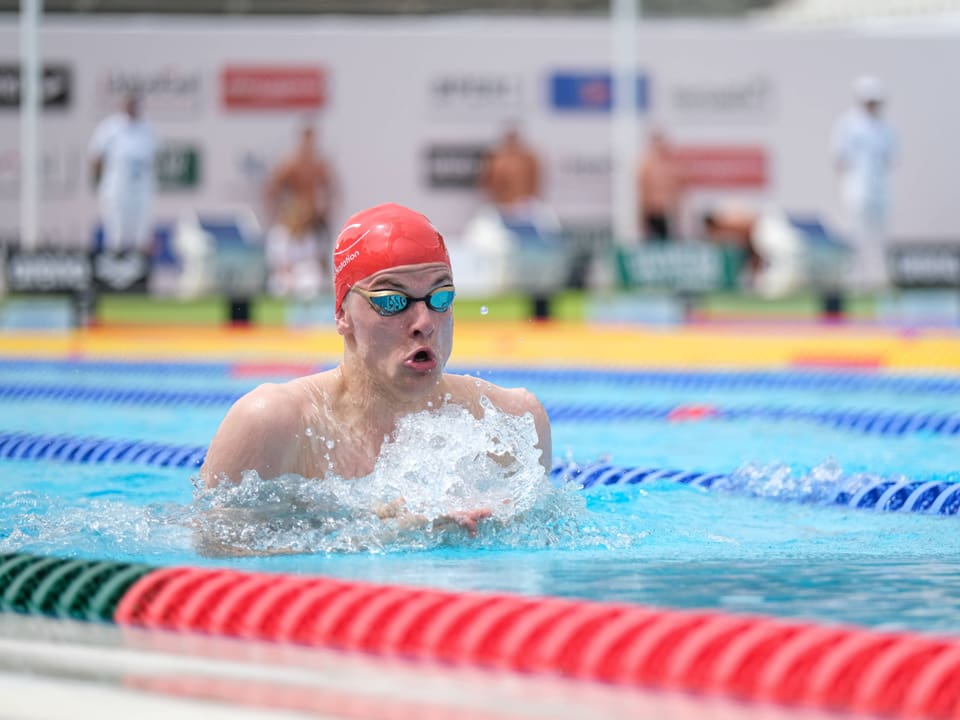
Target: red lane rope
<point>750,658</point>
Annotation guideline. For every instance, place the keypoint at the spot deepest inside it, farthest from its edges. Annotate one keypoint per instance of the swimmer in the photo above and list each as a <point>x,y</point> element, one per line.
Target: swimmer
<point>394,292</point>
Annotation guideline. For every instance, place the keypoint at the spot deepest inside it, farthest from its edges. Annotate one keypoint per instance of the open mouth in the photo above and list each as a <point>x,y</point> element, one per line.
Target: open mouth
<point>423,360</point>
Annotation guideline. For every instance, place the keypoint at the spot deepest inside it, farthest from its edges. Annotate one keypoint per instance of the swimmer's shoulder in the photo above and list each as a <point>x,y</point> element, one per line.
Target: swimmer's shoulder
<point>262,431</point>
<point>515,401</point>
<point>281,406</point>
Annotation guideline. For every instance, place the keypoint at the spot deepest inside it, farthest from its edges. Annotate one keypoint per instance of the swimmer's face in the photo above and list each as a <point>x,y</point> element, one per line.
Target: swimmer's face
<point>407,351</point>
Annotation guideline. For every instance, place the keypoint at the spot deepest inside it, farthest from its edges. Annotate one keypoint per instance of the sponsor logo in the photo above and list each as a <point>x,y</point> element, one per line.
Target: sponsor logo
<point>455,166</point>
<point>272,88</point>
<point>582,178</point>
<point>738,99</point>
<point>168,92</point>
<point>476,92</point>
<point>586,166</point>
<point>177,167</point>
<point>55,89</point>
<point>687,267</point>
<point>124,271</point>
<point>723,166</point>
<point>346,261</point>
<point>590,91</point>
<point>48,271</point>
<point>925,265</point>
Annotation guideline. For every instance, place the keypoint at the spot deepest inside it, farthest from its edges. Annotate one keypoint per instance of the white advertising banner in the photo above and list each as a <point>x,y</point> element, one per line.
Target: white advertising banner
<point>405,109</point>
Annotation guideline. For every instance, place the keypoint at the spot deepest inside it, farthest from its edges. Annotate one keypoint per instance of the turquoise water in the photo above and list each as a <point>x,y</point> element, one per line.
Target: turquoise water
<point>659,543</point>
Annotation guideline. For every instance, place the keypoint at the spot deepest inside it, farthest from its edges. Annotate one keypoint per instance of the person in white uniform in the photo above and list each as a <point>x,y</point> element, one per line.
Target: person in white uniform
<point>864,146</point>
<point>122,153</point>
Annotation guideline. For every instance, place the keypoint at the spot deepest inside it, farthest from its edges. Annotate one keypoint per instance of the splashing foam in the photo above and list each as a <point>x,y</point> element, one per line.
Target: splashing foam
<point>821,484</point>
<point>437,464</point>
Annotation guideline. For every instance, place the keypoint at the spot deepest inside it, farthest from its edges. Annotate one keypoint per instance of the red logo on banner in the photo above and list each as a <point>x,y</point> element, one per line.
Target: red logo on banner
<point>595,93</point>
<point>272,88</point>
<point>722,166</point>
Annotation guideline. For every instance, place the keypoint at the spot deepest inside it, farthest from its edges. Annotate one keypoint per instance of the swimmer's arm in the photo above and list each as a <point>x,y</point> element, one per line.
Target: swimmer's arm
<point>262,432</point>
<point>544,435</point>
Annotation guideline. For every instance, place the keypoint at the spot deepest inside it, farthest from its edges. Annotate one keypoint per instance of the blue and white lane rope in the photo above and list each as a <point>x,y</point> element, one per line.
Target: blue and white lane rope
<point>876,422</point>
<point>93,451</point>
<point>938,497</point>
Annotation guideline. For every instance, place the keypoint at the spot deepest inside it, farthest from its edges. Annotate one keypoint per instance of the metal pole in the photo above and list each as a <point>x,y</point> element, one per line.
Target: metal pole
<point>30,79</point>
<point>623,146</point>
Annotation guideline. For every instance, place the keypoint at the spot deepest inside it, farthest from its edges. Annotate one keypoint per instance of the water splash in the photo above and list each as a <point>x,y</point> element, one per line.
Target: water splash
<point>438,466</point>
<point>93,527</point>
<point>821,484</point>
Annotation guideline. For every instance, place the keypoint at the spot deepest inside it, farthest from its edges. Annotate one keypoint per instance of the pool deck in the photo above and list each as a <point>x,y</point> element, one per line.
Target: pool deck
<point>715,345</point>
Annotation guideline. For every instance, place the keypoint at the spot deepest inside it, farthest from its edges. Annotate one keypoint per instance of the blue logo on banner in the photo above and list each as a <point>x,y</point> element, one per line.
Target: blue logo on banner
<point>590,92</point>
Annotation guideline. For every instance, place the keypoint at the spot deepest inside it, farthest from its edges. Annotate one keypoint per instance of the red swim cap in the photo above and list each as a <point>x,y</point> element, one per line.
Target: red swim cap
<point>382,237</point>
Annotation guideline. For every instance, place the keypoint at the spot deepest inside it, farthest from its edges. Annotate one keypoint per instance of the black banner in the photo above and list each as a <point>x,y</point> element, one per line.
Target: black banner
<point>454,166</point>
<point>925,265</point>
<point>54,271</point>
<point>48,271</point>
<point>56,88</point>
<point>121,272</point>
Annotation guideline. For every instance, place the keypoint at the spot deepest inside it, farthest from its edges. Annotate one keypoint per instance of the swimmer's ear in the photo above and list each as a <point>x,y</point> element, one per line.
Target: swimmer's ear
<point>343,322</point>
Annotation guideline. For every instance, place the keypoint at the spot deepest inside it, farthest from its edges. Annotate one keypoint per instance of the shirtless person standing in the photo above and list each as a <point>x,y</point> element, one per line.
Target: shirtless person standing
<point>304,179</point>
<point>511,174</point>
<point>394,294</point>
<point>660,182</point>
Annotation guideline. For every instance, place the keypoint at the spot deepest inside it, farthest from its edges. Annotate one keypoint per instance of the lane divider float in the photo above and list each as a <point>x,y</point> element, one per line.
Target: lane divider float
<point>751,658</point>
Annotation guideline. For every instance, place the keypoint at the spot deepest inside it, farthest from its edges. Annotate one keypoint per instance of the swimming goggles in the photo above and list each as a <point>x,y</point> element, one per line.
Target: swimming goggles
<point>393,302</point>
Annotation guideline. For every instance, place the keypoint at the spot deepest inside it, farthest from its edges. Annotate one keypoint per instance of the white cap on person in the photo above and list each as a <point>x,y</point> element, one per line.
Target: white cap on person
<point>868,88</point>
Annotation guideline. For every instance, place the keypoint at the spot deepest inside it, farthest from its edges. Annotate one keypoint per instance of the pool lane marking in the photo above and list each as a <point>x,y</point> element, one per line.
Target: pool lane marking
<point>690,378</point>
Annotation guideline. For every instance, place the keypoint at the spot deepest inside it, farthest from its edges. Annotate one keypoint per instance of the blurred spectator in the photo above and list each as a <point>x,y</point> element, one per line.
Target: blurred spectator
<point>303,182</point>
<point>735,227</point>
<point>510,178</point>
<point>515,230</point>
<point>511,174</point>
<point>298,264</point>
<point>660,185</point>
<point>122,153</point>
<point>863,146</point>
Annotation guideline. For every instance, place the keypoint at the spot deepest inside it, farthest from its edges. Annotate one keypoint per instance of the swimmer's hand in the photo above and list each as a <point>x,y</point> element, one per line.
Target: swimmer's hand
<point>469,520</point>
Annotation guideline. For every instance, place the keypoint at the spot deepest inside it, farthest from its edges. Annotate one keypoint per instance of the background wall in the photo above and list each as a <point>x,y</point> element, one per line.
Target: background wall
<point>403,107</point>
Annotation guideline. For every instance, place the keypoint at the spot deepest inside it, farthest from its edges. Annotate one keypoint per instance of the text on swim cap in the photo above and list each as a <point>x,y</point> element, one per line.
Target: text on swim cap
<point>346,261</point>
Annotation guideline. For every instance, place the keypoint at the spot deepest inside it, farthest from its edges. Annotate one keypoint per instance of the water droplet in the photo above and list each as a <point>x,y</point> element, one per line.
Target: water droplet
<point>330,444</point>
<point>484,309</point>
<point>308,432</point>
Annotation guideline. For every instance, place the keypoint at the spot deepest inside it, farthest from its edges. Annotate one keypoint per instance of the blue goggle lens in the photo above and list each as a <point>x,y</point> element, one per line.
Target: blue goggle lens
<point>391,302</point>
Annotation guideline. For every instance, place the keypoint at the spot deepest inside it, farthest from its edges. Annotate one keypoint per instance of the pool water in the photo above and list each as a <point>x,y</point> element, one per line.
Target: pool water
<point>660,543</point>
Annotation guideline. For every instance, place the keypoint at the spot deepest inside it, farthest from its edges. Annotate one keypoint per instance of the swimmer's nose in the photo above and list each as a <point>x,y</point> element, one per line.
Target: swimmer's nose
<point>423,320</point>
